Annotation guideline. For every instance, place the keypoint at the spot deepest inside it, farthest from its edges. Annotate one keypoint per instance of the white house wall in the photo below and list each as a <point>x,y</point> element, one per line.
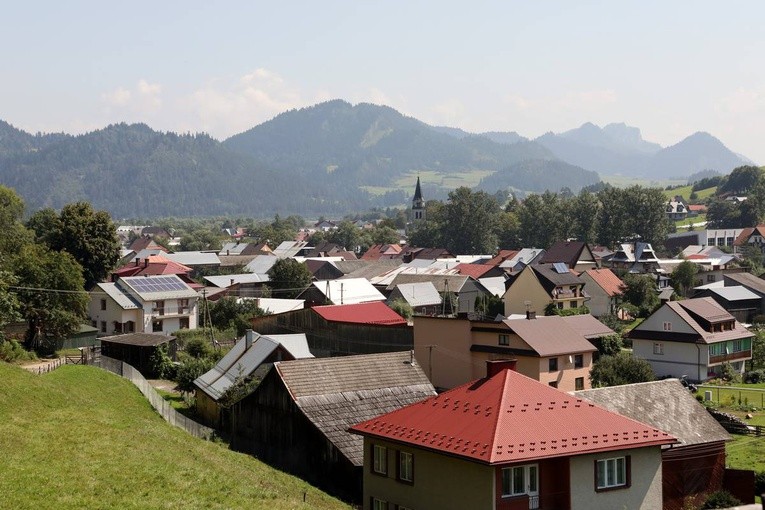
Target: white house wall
<point>679,358</point>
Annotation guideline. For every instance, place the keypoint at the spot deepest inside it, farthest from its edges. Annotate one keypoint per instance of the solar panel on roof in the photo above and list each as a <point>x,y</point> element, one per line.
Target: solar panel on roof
<point>560,268</point>
<point>158,284</point>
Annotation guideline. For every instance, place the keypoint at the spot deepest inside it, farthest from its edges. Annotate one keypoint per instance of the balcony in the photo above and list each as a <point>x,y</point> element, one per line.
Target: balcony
<point>169,311</point>
<point>734,356</point>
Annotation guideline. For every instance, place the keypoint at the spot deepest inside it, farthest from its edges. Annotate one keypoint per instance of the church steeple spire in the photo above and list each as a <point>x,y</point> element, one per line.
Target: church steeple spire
<point>418,203</point>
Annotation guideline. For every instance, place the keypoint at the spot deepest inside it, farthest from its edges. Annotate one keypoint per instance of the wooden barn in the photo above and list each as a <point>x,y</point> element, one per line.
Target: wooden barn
<point>337,330</point>
<point>298,417</point>
<point>136,349</point>
<point>696,465</point>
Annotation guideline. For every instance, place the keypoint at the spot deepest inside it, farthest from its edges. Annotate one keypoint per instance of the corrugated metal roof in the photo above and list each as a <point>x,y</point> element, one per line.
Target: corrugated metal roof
<point>511,418</point>
<point>348,291</point>
<point>737,293</point>
<point>748,280</point>
<point>278,305</point>
<point>335,393</point>
<point>289,249</point>
<point>194,258</point>
<point>495,285</point>
<point>139,339</point>
<point>418,294</point>
<point>666,405</point>
<point>242,362</point>
<point>225,280</point>
<point>261,264</point>
<point>122,298</point>
<point>550,336</point>
<point>375,312</point>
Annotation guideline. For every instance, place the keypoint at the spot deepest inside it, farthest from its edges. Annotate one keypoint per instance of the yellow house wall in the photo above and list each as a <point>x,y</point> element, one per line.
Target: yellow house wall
<point>440,481</point>
<point>526,288</point>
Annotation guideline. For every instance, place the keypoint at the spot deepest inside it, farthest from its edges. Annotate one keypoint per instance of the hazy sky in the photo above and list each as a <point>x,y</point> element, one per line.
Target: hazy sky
<point>669,68</point>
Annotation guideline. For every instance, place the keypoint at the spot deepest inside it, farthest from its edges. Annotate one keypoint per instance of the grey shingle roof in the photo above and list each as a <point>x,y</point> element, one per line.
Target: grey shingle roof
<point>550,335</point>
<point>748,280</point>
<point>666,405</point>
<point>336,393</point>
<point>122,298</point>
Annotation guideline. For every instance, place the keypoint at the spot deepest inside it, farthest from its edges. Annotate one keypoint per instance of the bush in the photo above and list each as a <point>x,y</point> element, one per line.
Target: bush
<point>610,345</point>
<point>755,376</point>
<point>620,369</point>
<point>189,370</point>
<point>160,364</point>
<point>402,308</point>
<point>11,350</point>
<point>728,373</point>
<point>759,482</point>
<point>612,321</point>
<point>720,499</point>
<point>199,348</point>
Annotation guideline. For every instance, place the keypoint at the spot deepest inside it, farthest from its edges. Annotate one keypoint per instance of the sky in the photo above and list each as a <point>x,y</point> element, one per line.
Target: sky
<point>669,68</point>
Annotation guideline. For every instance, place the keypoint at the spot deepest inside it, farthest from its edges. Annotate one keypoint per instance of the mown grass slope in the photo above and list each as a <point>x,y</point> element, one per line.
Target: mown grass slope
<point>81,437</point>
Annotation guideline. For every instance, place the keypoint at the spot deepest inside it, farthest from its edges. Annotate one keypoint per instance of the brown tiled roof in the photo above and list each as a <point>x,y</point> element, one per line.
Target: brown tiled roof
<point>706,308</point>
<point>475,270</point>
<point>336,393</point>
<point>666,405</point>
<point>502,256</point>
<point>588,326</point>
<point>607,280</point>
<point>550,336</point>
<point>745,234</point>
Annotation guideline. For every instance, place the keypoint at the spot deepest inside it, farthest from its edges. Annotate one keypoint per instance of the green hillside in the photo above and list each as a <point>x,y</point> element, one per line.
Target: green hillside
<point>80,437</point>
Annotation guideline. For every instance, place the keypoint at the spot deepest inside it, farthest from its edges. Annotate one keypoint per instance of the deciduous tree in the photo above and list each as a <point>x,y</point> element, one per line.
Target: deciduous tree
<point>288,278</point>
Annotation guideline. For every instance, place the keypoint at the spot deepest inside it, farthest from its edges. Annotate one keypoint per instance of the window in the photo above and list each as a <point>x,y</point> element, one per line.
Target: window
<point>379,459</point>
<point>159,307</point>
<point>94,324</point>
<point>379,504</point>
<point>729,241</point>
<point>406,467</point>
<point>103,326</point>
<point>667,326</point>
<point>553,384</point>
<point>103,304</point>
<point>612,473</point>
<point>552,365</point>
<point>560,305</point>
<point>156,326</point>
<point>578,360</point>
<point>520,480</point>
<point>504,340</point>
<point>710,278</point>
<point>579,383</point>
<point>737,346</point>
<point>183,305</point>
<point>717,349</point>
<point>658,348</point>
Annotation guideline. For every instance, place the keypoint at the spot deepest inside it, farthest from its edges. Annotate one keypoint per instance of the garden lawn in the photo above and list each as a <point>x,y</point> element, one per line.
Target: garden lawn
<point>746,452</point>
<point>81,437</point>
<point>739,394</point>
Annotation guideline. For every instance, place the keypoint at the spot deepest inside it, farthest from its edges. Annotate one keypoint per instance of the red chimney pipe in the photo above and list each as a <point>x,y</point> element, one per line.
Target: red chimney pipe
<point>493,367</point>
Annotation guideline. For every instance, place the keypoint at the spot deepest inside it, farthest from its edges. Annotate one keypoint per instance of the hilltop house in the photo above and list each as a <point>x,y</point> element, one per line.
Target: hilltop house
<point>692,337</point>
<point>539,285</point>
<point>298,417</point>
<point>509,442</point>
<point>138,304</point>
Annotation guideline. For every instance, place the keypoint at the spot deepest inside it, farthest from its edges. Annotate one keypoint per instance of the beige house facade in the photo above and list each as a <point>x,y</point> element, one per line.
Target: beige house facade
<point>539,285</point>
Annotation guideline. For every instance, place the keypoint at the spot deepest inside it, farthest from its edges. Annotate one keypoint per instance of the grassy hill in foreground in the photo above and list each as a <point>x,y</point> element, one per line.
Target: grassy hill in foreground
<point>80,437</point>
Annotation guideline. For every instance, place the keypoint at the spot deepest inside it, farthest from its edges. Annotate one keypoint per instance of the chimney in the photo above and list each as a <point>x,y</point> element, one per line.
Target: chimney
<point>249,336</point>
<point>493,367</point>
<point>146,262</point>
<point>232,281</point>
<point>531,314</point>
<point>137,262</point>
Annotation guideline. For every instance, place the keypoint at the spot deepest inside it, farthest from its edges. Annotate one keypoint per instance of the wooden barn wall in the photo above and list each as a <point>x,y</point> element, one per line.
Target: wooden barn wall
<point>336,339</point>
<point>269,425</point>
<point>691,472</point>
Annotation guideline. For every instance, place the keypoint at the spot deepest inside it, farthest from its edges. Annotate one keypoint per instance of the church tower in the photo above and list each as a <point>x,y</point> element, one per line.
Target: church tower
<point>418,204</point>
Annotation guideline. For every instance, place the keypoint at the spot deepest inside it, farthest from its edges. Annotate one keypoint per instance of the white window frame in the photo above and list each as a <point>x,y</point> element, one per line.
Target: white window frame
<point>379,504</point>
<point>530,483</point>
<point>658,348</point>
<point>379,459</point>
<point>406,466</point>
<point>667,326</point>
<point>611,473</point>
<point>503,339</point>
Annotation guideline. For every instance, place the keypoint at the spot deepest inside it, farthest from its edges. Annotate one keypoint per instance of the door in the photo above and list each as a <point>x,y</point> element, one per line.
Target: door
<point>532,486</point>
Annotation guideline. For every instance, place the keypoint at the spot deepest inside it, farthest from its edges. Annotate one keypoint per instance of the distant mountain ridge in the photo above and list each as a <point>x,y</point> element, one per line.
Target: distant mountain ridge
<point>620,149</point>
<point>333,158</point>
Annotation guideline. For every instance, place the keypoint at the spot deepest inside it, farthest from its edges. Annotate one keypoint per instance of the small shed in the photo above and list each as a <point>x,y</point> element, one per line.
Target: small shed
<point>85,336</point>
<point>136,349</point>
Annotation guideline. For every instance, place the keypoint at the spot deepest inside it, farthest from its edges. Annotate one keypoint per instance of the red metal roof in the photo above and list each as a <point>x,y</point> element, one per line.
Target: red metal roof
<point>156,265</point>
<point>474,270</point>
<point>511,418</point>
<point>502,256</point>
<point>363,313</point>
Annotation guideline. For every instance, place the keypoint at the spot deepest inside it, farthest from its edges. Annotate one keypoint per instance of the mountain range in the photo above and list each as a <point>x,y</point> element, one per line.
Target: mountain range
<point>332,158</point>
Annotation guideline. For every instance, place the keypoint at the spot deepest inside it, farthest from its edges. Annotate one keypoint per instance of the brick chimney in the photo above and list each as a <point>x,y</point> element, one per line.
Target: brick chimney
<point>493,367</point>
<point>531,314</point>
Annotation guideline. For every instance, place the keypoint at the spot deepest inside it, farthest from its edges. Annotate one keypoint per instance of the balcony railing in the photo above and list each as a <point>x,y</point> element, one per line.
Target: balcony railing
<point>733,356</point>
<point>171,311</point>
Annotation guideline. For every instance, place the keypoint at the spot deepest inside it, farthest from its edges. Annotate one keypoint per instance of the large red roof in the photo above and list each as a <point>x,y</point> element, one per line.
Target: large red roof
<point>154,265</point>
<point>607,280</point>
<point>474,270</point>
<point>510,418</point>
<point>363,313</point>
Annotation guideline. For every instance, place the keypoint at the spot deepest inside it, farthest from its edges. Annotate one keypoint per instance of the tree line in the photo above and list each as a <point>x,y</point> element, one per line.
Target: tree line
<point>475,222</point>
